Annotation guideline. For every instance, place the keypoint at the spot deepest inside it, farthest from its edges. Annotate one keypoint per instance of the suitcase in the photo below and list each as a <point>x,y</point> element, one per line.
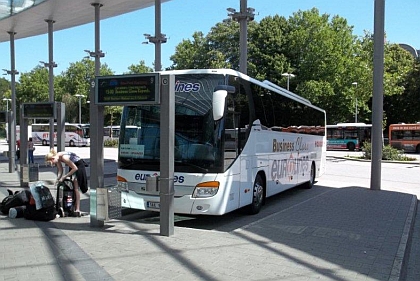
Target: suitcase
<point>65,198</point>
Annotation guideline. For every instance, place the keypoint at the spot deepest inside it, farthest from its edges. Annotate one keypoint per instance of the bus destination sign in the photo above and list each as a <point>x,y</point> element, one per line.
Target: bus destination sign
<point>127,89</point>
<point>42,110</point>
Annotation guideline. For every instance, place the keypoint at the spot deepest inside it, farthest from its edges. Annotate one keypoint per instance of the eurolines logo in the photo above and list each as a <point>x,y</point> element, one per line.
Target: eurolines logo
<point>186,87</point>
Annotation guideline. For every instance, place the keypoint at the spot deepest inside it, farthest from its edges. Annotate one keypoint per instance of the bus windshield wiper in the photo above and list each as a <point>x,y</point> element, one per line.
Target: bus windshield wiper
<point>192,165</point>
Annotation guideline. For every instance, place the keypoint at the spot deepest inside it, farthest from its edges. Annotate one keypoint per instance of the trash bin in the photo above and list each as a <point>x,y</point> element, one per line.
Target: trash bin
<point>30,172</point>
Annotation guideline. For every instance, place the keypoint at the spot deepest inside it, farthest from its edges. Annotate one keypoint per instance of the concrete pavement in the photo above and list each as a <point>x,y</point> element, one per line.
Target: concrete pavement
<point>325,233</point>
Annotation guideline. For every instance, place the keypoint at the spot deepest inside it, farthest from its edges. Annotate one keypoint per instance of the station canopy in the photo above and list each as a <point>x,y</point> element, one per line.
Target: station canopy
<point>27,18</point>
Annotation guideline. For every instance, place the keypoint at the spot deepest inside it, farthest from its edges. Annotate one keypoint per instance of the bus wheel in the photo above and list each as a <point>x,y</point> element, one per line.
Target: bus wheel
<point>71,143</point>
<point>310,183</point>
<point>44,142</point>
<point>351,146</point>
<point>257,196</point>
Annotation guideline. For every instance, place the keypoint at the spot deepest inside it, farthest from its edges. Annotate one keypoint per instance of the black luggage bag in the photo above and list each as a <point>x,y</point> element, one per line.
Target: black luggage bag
<point>65,198</point>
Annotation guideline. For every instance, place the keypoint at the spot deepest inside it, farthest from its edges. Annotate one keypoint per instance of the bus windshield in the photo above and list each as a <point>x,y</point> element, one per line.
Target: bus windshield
<point>85,131</point>
<point>197,146</point>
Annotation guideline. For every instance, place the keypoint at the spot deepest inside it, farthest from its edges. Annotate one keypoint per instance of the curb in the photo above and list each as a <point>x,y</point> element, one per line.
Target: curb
<point>399,268</point>
<point>382,161</point>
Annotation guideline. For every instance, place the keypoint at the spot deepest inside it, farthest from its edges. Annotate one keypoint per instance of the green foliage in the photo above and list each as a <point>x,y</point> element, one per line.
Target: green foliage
<point>111,143</point>
<point>321,51</point>
<point>33,86</point>
<point>388,153</point>
<point>139,68</point>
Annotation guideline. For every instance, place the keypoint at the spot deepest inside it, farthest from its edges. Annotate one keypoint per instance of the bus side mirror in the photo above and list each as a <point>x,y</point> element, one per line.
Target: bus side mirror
<point>219,99</point>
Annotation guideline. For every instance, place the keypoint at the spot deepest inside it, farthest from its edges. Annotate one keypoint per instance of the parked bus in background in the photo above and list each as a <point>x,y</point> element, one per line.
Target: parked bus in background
<point>75,134</point>
<point>237,141</point>
<point>17,132</point>
<point>111,132</point>
<point>405,137</point>
<point>349,136</point>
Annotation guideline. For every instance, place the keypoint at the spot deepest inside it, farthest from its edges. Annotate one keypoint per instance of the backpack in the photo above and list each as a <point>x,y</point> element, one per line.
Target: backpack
<point>42,195</point>
<point>41,205</point>
<point>43,214</point>
<point>17,199</point>
<point>4,203</point>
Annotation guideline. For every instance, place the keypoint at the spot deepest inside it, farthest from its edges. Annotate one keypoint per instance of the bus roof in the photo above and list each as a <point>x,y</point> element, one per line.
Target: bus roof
<point>344,125</point>
<point>265,84</point>
<point>403,126</point>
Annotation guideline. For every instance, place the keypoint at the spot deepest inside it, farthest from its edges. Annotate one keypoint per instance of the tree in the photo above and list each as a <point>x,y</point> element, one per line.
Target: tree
<point>139,68</point>
<point>4,87</point>
<point>190,54</point>
<point>33,86</point>
<point>321,52</point>
<point>76,80</point>
<point>325,56</point>
<point>267,48</point>
<point>404,106</point>
<point>318,50</point>
<point>398,65</point>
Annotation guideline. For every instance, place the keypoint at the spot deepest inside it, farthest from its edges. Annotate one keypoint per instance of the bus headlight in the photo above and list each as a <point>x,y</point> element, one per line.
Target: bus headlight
<point>122,184</point>
<point>206,189</point>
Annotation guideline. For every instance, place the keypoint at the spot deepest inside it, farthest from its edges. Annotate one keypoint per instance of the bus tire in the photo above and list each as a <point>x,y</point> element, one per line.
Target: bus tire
<point>351,146</point>
<point>257,195</point>
<point>71,143</point>
<point>309,184</point>
<point>44,142</point>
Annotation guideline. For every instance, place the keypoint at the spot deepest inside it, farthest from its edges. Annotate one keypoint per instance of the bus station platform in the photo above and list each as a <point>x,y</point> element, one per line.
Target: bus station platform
<point>324,233</point>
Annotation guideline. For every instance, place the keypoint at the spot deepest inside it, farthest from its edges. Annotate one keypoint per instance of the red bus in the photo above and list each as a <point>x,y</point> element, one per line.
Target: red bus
<point>405,137</point>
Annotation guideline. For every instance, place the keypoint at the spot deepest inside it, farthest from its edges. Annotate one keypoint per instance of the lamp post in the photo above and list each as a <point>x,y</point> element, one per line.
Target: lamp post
<point>7,103</point>
<point>80,106</point>
<point>355,96</point>
<point>288,75</point>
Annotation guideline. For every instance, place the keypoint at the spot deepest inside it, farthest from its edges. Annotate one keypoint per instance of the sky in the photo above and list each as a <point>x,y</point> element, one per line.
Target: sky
<point>122,36</point>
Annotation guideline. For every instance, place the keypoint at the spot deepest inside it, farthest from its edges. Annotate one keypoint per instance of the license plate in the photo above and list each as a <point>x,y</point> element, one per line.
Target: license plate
<point>153,205</point>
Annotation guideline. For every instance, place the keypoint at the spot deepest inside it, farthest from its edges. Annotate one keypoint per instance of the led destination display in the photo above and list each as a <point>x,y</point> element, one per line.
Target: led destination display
<point>39,110</point>
<point>127,89</point>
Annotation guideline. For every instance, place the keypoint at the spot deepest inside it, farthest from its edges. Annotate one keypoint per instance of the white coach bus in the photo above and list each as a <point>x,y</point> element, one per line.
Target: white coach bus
<point>232,149</point>
<point>75,134</point>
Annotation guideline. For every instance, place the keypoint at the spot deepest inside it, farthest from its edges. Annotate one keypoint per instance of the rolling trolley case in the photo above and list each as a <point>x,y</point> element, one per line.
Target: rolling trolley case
<point>65,198</point>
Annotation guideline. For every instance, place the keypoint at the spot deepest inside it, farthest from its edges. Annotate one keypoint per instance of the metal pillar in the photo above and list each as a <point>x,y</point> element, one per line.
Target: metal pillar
<point>158,45</point>
<point>159,38</point>
<point>96,131</point>
<point>167,139</point>
<point>245,15</point>
<point>12,120</point>
<point>378,88</point>
<point>60,116</point>
<point>23,158</point>
<point>51,66</point>
<point>243,35</point>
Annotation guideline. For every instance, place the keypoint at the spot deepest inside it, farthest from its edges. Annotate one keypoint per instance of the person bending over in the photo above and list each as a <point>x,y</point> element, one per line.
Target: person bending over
<point>76,166</point>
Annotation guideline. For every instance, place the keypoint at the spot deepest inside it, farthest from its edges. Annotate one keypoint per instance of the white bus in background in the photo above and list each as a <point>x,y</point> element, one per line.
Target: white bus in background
<point>237,141</point>
<point>17,132</point>
<point>75,134</point>
<point>111,132</point>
